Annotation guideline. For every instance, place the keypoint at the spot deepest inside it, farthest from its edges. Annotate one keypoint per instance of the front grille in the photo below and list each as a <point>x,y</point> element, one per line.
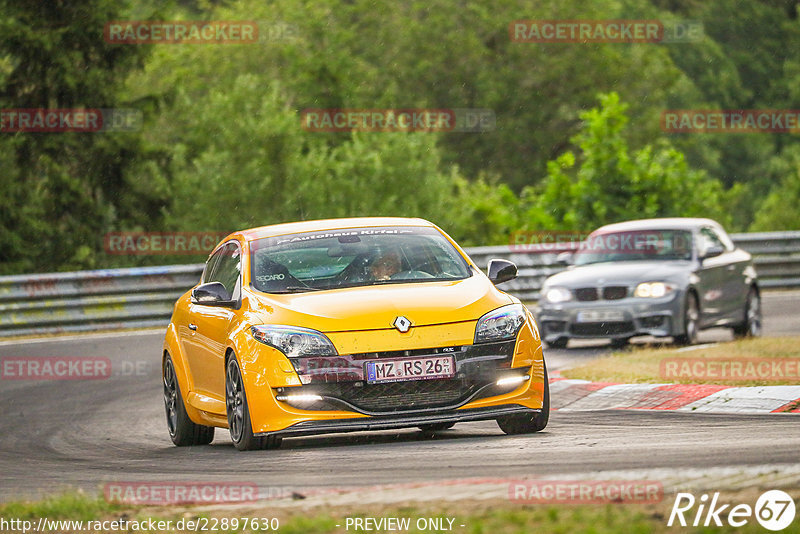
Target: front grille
<point>602,329</point>
<point>477,366</point>
<point>615,292</point>
<point>585,294</point>
<point>550,327</point>
<point>409,395</point>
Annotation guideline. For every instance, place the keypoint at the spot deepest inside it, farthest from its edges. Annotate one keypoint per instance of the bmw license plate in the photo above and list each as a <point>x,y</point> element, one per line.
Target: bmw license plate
<point>410,369</point>
<point>600,316</point>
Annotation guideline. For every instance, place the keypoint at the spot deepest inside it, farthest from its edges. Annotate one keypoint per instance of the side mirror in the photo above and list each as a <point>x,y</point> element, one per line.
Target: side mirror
<point>212,294</point>
<point>564,258</point>
<point>713,251</point>
<point>500,271</point>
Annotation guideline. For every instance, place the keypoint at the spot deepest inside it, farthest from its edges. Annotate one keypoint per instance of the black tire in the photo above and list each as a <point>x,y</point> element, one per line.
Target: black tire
<point>619,342</point>
<point>751,327</point>
<point>558,343</point>
<point>691,321</point>
<point>528,424</point>
<point>239,424</point>
<point>436,427</point>
<point>183,431</point>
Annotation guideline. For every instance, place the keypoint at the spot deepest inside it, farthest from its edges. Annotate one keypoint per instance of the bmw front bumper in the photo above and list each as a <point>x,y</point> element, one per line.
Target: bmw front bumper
<point>615,319</point>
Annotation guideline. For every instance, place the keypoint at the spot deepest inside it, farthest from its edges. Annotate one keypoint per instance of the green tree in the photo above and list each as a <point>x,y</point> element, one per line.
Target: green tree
<point>62,191</point>
<point>778,211</point>
<point>608,182</point>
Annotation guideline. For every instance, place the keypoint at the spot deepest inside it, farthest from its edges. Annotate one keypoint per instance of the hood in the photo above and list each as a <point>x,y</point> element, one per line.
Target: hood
<point>619,273</point>
<point>376,307</point>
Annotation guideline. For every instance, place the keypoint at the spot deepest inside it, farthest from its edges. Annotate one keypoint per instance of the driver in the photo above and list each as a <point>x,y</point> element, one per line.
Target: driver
<point>386,265</point>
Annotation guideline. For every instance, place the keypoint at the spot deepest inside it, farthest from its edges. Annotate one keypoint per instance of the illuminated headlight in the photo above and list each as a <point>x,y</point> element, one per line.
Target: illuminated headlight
<point>294,341</point>
<point>500,324</point>
<point>557,294</point>
<point>653,289</point>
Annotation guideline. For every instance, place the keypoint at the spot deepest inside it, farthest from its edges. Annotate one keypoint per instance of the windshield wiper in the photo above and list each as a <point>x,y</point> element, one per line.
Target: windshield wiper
<point>297,289</point>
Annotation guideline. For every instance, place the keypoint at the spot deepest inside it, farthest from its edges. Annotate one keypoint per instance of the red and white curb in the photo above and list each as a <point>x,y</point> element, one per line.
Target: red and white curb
<point>581,395</point>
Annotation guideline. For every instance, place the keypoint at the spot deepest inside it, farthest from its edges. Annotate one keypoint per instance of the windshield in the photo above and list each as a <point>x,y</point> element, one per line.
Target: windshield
<point>639,245</point>
<point>353,257</point>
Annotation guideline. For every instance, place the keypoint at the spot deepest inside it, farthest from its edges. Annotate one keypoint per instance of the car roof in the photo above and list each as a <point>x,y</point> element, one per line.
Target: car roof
<point>670,223</point>
<point>327,224</point>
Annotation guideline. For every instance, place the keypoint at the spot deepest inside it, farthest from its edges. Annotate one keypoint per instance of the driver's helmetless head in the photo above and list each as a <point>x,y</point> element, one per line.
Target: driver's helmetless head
<point>387,264</point>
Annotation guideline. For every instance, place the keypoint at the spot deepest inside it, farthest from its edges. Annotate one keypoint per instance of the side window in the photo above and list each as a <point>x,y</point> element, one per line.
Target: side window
<point>708,239</point>
<point>209,267</point>
<point>227,267</point>
<point>726,241</point>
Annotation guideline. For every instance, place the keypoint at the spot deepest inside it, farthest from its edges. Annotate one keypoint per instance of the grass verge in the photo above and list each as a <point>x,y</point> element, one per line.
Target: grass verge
<point>473,517</point>
<point>651,364</point>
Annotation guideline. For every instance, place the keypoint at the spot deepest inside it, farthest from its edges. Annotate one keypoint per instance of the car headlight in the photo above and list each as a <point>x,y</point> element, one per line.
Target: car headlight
<point>500,324</point>
<point>294,341</point>
<point>557,294</point>
<point>653,289</point>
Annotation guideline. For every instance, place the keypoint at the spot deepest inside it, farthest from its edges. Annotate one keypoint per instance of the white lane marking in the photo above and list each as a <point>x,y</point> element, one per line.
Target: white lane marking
<point>697,347</point>
<point>752,399</point>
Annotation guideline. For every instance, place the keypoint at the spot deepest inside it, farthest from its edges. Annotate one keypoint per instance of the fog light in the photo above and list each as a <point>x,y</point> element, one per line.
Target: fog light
<point>299,398</point>
<point>509,380</point>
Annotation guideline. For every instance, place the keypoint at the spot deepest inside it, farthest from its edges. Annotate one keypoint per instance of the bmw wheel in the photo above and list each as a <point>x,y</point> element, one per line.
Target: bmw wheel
<point>691,320</point>
<point>239,424</point>
<point>752,316</point>
<point>558,343</point>
<point>182,430</point>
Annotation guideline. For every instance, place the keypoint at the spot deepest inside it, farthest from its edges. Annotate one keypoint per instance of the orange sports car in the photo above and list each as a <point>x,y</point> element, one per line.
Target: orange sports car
<point>348,325</point>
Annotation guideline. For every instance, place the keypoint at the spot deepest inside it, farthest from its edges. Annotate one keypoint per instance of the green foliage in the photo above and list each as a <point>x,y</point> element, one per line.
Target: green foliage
<point>780,208</point>
<point>221,146</point>
<point>61,191</point>
<point>608,182</point>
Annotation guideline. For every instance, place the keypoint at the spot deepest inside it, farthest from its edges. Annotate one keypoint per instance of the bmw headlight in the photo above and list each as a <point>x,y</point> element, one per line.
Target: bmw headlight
<point>294,341</point>
<point>555,295</point>
<point>653,289</point>
<point>500,324</point>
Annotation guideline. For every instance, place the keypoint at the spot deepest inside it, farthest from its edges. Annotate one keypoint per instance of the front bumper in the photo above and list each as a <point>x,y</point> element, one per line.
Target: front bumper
<point>349,403</point>
<point>617,319</point>
<point>386,422</point>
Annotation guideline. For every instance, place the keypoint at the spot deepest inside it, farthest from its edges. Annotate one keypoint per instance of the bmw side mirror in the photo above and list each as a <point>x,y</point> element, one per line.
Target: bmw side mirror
<point>713,251</point>
<point>500,271</point>
<point>211,294</point>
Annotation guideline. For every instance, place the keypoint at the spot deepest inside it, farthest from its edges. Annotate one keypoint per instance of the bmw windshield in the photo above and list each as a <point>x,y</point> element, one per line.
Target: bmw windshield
<point>637,245</point>
<point>353,257</point>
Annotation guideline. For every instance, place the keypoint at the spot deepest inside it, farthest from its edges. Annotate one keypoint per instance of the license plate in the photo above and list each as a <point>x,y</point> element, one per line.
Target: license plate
<point>410,369</point>
<point>600,316</point>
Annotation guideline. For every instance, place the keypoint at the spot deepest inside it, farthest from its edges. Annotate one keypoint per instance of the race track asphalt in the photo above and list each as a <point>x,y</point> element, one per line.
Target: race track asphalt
<point>83,434</point>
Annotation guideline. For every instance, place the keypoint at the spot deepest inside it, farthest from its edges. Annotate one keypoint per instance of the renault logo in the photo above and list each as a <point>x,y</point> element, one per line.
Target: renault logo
<point>402,324</point>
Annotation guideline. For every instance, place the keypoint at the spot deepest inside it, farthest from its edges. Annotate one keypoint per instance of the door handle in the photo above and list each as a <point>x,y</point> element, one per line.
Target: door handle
<point>192,327</point>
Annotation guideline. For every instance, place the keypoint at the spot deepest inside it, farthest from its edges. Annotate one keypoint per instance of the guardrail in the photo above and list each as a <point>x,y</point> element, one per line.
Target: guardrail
<point>144,296</point>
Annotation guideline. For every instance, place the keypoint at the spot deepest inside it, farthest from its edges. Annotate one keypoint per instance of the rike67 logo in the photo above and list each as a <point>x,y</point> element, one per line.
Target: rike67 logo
<point>774,510</point>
